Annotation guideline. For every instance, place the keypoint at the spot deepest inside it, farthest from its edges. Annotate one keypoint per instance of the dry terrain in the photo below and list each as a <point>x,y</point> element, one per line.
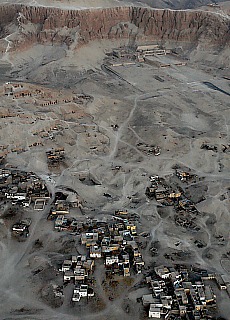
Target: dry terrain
<point>100,117</point>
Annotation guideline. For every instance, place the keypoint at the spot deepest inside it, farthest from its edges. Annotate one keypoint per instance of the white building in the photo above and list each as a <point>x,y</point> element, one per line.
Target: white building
<point>79,273</point>
<point>68,275</point>
<point>95,252</point>
<point>15,196</point>
<point>163,272</point>
<point>154,312</point>
<point>111,260</point>
<point>66,266</point>
<point>82,291</point>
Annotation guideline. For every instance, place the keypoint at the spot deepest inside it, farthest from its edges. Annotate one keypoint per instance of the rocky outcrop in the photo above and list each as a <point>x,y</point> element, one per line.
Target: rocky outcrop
<point>56,26</point>
<point>189,26</point>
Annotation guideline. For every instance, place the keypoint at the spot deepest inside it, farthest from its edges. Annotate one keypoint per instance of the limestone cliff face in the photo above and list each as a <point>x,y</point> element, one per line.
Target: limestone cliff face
<point>186,26</point>
<point>53,25</point>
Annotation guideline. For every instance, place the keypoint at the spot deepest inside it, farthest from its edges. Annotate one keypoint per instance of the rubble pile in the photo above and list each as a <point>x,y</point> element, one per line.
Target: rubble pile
<point>55,156</point>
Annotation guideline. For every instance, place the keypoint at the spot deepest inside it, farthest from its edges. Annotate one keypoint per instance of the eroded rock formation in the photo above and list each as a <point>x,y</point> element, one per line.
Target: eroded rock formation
<point>53,25</point>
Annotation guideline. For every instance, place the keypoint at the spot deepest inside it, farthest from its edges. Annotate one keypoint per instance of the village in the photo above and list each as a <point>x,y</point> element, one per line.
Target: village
<point>114,179</point>
<point>184,291</point>
<point>179,292</point>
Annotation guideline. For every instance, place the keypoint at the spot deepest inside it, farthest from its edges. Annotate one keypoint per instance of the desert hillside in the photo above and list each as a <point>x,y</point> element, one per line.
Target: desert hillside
<point>114,160</point>
<point>56,26</point>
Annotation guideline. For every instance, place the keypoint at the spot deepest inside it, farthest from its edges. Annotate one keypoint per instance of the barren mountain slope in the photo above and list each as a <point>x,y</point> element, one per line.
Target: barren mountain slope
<point>53,25</point>
<point>172,4</point>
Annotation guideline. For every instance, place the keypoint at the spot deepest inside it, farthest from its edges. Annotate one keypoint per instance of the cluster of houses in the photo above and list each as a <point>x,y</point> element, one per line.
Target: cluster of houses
<point>61,208</point>
<point>78,269</point>
<point>176,292</point>
<point>113,241</point>
<point>160,190</point>
<point>21,188</point>
<point>166,195</point>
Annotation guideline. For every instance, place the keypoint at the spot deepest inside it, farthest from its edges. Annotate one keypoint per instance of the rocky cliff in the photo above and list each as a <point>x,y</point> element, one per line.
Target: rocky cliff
<point>53,25</point>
